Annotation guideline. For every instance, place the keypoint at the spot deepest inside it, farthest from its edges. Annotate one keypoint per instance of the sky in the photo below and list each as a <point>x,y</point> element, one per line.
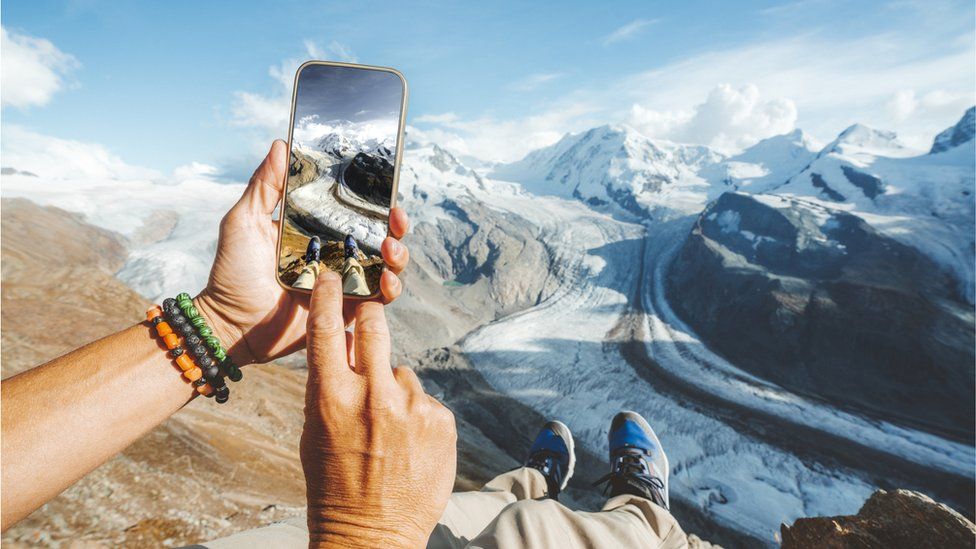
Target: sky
<point>361,104</point>
<point>347,94</point>
<point>171,87</point>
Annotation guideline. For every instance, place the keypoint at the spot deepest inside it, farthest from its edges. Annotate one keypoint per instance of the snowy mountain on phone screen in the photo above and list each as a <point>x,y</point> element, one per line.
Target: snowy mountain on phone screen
<point>344,138</point>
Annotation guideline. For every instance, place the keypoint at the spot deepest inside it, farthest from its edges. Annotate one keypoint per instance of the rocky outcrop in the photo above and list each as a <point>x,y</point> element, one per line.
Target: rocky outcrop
<point>900,518</point>
<point>821,303</point>
<point>962,132</point>
<point>370,177</point>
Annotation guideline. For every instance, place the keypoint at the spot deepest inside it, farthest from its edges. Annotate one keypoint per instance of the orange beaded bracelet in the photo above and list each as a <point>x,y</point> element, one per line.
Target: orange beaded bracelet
<point>190,370</point>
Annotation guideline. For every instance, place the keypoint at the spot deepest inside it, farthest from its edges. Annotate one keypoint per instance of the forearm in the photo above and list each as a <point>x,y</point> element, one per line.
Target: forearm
<point>67,417</point>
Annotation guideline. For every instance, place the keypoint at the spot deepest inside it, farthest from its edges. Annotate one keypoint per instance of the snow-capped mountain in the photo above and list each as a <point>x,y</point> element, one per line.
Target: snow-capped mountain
<point>768,163</point>
<point>616,165</point>
<point>344,138</point>
<point>922,199</point>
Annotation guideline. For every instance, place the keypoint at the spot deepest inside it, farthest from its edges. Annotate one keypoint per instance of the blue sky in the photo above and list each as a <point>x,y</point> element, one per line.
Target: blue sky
<point>163,84</point>
<point>348,94</point>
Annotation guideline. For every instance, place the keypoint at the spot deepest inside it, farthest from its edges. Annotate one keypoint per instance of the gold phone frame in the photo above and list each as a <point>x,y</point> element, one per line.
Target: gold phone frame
<point>396,164</point>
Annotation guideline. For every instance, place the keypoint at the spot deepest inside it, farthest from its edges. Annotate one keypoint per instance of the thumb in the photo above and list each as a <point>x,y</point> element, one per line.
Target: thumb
<point>327,355</point>
<point>264,189</point>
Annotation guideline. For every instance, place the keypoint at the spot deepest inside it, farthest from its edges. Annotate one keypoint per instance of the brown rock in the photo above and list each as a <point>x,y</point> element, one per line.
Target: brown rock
<point>900,518</point>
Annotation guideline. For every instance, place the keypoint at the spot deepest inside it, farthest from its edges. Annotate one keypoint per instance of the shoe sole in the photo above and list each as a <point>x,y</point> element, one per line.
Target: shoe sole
<point>665,471</point>
<point>564,433</point>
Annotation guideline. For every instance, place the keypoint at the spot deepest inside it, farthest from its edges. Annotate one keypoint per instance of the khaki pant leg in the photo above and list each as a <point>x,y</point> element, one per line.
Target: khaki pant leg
<point>625,521</point>
<point>288,534</point>
<point>306,279</point>
<point>354,278</point>
<point>468,513</point>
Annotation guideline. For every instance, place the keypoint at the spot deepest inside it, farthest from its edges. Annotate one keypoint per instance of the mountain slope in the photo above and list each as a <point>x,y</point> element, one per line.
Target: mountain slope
<point>819,302</point>
<point>617,166</point>
<point>958,135</point>
<point>923,200</point>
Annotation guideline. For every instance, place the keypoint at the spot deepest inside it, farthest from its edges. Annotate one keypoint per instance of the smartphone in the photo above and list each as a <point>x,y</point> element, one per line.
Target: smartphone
<point>345,144</point>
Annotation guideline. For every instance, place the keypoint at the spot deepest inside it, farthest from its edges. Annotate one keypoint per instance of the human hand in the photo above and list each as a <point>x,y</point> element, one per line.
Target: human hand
<point>379,454</point>
<point>253,316</point>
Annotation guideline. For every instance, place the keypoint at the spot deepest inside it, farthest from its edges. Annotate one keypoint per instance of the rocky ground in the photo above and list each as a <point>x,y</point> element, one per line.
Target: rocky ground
<point>898,518</point>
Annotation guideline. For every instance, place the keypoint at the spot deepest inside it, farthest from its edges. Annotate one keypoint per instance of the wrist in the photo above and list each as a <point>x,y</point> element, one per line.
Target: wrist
<point>231,337</point>
<point>338,529</point>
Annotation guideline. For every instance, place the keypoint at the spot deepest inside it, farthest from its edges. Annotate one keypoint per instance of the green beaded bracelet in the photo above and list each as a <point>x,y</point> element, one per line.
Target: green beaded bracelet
<point>185,303</point>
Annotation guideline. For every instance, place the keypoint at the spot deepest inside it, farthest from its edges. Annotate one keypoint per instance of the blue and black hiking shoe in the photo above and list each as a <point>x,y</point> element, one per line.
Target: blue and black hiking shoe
<point>638,465</point>
<point>351,248</point>
<point>314,250</point>
<point>553,455</point>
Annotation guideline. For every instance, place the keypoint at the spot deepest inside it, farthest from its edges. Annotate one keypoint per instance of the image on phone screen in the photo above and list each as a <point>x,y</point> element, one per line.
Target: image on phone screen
<point>341,175</point>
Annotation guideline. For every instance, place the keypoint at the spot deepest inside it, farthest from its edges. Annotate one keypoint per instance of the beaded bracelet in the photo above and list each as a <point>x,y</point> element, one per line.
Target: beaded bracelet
<point>185,303</point>
<point>190,370</point>
<point>195,347</point>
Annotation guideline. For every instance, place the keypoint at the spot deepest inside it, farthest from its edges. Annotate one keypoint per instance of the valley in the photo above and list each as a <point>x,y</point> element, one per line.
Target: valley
<point>552,288</point>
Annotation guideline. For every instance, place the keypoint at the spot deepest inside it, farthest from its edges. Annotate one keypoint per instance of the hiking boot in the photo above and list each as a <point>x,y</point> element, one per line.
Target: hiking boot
<point>351,248</point>
<point>552,454</point>
<point>638,465</point>
<point>314,250</point>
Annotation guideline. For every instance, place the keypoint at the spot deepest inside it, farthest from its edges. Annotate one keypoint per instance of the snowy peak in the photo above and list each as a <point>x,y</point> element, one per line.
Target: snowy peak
<point>615,166</point>
<point>344,138</point>
<point>767,164</point>
<point>860,140</point>
<point>959,134</point>
<point>344,145</point>
<point>779,148</point>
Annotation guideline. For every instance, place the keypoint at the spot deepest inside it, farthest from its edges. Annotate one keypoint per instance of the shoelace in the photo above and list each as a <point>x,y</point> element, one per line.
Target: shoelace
<point>631,471</point>
<point>546,462</point>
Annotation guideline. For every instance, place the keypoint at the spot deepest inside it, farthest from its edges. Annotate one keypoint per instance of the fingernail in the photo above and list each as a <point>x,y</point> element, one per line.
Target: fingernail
<point>397,247</point>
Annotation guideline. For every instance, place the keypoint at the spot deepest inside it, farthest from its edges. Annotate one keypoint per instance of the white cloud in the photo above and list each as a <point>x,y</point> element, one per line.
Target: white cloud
<point>335,51</point>
<point>728,98</point>
<point>533,81</point>
<point>729,119</point>
<point>33,69</point>
<point>627,31</point>
<point>196,170</point>
<point>444,118</point>
<point>808,81</point>
<point>832,84</point>
<point>54,157</point>
<point>498,140</point>
<point>905,105</point>
<point>270,113</point>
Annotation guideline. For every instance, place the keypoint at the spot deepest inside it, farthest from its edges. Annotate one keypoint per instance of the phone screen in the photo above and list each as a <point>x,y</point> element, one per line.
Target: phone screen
<point>342,173</point>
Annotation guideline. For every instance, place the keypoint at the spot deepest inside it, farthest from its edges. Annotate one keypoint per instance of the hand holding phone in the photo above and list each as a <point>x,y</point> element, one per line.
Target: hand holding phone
<point>345,145</point>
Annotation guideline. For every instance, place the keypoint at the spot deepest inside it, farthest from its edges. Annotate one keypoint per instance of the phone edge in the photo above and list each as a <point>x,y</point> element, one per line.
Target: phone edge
<point>398,160</point>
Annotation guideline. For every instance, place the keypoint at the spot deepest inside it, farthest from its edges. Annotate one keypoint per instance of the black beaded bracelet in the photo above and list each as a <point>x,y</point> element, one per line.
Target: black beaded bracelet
<point>197,350</point>
<point>175,352</point>
<point>199,324</point>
